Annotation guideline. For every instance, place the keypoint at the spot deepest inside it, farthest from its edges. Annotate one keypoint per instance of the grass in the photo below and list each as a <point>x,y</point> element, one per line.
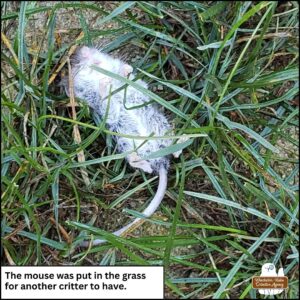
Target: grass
<point>227,75</point>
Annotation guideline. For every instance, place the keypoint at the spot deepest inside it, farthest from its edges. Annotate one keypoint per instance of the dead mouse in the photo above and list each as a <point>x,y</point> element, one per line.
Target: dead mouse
<point>94,88</point>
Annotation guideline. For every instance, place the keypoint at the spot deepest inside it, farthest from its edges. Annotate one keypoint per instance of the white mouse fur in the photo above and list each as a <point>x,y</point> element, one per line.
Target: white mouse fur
<point>94,87</point>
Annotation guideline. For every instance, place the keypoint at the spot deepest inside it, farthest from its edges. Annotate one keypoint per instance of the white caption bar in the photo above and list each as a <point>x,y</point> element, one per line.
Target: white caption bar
<point>82,282</point>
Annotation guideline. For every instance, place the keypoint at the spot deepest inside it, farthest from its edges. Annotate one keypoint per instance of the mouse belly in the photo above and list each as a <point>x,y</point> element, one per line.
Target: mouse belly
<point>132,123</point>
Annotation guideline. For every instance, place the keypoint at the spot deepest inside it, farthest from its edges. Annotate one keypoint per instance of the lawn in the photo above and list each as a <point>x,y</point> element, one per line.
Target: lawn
<point>226,75</point>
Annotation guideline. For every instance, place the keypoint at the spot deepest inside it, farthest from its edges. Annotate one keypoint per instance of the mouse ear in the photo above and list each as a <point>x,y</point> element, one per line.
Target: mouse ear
<point>85,51</point>
<point>126,70</point>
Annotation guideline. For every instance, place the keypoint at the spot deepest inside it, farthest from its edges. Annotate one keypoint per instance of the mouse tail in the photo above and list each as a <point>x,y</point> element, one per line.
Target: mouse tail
<point>151,208</point>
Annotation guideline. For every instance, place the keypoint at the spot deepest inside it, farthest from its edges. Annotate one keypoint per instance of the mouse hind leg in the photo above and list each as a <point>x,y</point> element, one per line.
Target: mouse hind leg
<point>134,160</point>
<point>181,140</point>
<point>137,162</point>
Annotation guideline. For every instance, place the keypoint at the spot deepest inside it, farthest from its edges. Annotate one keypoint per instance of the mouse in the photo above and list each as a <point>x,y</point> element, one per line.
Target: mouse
<point>94,88</point>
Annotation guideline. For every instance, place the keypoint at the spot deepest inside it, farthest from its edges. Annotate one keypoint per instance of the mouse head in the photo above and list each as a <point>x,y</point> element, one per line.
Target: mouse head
<point>91,56</point>
<point>88,57</point>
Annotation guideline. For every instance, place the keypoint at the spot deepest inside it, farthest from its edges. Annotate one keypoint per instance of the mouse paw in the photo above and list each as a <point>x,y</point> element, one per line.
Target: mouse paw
<point>181,140</point>
<point>127,69</point>
<point>136,162</point>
